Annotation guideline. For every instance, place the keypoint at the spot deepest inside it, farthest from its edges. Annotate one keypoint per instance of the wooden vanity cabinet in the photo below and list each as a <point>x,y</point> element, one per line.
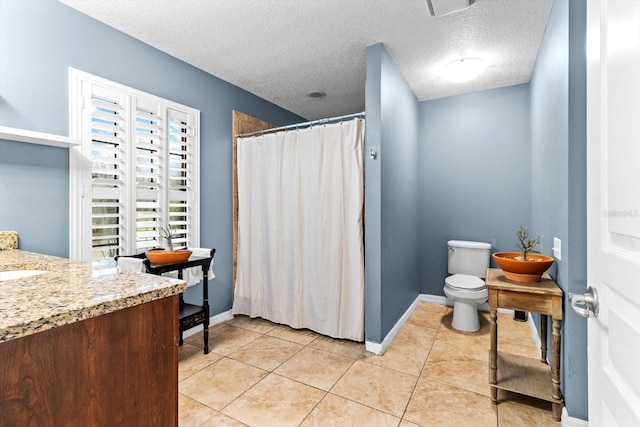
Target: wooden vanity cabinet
<point>119,368</point>
<point>519,374</point>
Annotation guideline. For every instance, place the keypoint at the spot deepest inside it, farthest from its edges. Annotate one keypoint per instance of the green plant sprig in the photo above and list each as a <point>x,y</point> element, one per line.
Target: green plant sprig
<point>526,244</point>
<point>165,233</point>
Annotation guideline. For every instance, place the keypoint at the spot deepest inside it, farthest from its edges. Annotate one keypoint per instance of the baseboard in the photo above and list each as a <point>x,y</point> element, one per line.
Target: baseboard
<point>214,320</point>
<point>568,421</point>
<point>535,334</point>
<point>435,299</point>
<point>380,348</point>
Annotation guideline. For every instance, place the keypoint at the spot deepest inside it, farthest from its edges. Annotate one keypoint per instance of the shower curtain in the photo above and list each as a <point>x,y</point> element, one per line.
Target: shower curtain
<point>300,237</point>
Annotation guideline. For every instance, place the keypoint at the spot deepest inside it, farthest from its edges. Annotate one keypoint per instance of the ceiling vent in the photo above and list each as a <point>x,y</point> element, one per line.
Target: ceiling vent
<point>445,7</point>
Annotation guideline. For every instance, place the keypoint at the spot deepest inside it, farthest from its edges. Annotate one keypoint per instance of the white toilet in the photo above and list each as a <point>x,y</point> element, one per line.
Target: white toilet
<point>468,262</point>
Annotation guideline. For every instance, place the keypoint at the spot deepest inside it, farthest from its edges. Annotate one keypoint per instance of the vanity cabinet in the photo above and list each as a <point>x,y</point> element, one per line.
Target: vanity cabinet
<point>519,374</point>
<point>118,368</point>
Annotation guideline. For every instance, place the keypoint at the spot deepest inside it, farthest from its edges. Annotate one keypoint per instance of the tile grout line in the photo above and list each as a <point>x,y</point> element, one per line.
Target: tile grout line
<point>404,412</point>
<point>308,345</point>
<point>440,329</point>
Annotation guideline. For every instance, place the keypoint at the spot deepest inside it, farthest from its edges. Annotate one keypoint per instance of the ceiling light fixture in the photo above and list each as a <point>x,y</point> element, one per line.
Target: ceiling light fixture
<point>445,7</point>
<point>317,94</point>
<point>463,69</point>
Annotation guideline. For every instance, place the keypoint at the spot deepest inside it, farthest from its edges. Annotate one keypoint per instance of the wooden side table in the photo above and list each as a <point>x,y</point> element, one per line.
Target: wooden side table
<point>520,374</point>
<point>190,315</point>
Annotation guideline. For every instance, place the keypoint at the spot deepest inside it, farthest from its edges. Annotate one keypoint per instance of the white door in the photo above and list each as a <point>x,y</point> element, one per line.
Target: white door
<point>613,213</point>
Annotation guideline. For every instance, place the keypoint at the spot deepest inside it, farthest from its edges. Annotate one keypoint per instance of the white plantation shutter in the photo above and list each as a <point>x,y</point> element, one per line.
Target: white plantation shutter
<point>136,171</point>
<point>180,176</point>
<point>108,151</point>
<point>149,159</point>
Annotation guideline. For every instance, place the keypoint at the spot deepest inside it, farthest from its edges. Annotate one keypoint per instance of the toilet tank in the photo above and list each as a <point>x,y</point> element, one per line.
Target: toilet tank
<point>471,258</point>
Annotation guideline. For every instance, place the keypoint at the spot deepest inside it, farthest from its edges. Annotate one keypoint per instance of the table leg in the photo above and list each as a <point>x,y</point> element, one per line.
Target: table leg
<point>181,307</point>
<point>493,356</point>
<point>555,368</point>
<point>556,408</point>
<point>543,338</point>
<point>205,304</point>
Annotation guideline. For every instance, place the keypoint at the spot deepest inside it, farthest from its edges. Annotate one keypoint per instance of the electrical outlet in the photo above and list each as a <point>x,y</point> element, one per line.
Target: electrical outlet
<point>557,249</point>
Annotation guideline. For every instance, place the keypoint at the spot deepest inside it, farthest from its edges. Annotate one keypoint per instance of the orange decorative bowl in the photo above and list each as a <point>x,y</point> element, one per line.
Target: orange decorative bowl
<point>159,256</point>
<point>515,269</point>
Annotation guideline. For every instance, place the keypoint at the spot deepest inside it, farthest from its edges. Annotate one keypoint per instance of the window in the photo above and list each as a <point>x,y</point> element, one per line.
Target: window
<point>135,171</point>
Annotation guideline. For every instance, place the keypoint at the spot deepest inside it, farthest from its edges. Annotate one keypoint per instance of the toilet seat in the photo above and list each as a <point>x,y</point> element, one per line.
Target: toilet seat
<point>464,282</point>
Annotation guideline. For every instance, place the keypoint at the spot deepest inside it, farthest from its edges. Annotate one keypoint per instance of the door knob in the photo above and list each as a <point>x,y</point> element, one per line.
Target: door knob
<point>586,305</point>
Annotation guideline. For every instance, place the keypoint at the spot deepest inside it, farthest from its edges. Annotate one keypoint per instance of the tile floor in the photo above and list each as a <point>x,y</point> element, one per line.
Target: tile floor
<point>262,374</point>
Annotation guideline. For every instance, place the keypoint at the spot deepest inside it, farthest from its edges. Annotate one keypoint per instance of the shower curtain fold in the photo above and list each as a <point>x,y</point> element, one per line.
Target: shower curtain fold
<point>300,236</point>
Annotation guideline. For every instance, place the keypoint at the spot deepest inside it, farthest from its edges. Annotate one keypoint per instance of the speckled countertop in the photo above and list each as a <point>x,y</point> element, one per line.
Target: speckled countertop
<point>69,292</point>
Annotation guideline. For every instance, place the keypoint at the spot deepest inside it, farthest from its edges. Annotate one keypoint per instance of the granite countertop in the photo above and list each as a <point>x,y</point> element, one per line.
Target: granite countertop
<point>70,291</point>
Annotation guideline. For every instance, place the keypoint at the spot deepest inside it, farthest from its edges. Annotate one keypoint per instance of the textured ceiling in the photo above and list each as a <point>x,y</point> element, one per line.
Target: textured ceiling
<point>281,50</point>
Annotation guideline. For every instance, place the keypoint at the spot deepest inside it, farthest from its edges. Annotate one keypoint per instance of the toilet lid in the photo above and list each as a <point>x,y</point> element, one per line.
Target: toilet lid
<point>464,281</point>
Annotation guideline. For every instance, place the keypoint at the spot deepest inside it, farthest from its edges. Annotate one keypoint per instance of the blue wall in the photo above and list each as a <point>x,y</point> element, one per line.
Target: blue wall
<point>440,172</point>
<point>558,177</point>
<point>536,135</point>
<point>39,40</point>
<point>391,195</point>
<point>34,195</point>
<point>372,198</point>
<point>474,162</point>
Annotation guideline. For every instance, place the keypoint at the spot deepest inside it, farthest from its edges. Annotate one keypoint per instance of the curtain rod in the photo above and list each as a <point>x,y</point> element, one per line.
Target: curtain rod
<point>305,124</point>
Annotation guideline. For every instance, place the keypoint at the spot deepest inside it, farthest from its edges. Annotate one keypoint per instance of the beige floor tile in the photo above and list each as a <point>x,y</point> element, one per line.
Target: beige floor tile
<point>221,382</point>
<point>485,321</point>
<point>513,331</point>
<point>460,344</point>
<point>266,352</point>
<point>430,306</point>
<point>419,336</point>
<point>521,399</point>
<point>424,316</point>
<point>516,415</point>
<point>256,324</point>
<point>221,420</point>
<point>458,371</point>
<point>335,411</point>
<point>485,325</point>
<point>405,423</point>
<point>381,388</point>
<point>435,404</point>
<point>346,348</point>
<point>315,367</point>
<point>522,350</point>
<point>483,335</point>
<point>408,351</point>
<point>192,413</point>
<point>191,359</point>
<point>197,339</point>
<point>365,389</point>
<point>229,338</point>
<point>275,401</point>
<point>299,336</point>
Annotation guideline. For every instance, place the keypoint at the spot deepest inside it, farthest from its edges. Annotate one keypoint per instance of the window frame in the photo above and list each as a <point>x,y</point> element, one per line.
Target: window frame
<point>80,164</point>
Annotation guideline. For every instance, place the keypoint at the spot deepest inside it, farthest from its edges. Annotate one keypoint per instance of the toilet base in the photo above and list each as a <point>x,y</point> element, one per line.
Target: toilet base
<point>465,317</point>
<point>465,307</point>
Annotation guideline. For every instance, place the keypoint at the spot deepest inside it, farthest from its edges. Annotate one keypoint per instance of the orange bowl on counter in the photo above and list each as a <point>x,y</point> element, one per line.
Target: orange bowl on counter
<point>515,269</point>
<point>160,256</point>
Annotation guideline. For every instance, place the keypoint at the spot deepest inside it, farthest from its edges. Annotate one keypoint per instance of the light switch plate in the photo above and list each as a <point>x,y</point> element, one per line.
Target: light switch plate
<point>557,249</point>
